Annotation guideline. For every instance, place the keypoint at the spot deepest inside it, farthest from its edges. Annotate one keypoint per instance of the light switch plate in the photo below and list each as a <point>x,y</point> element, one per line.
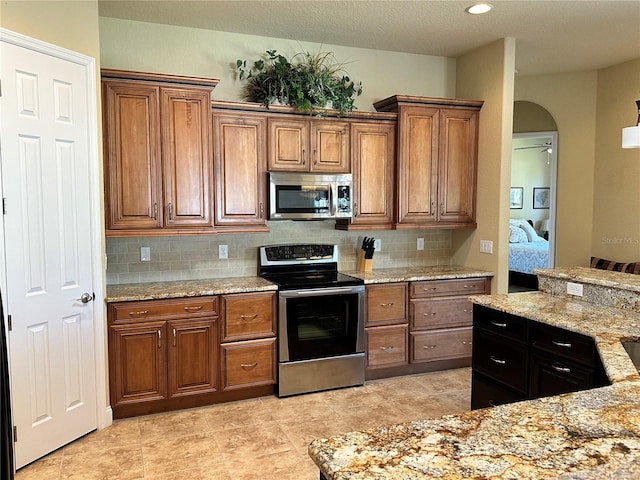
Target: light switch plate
<point>145,254</point>
<point>420,243</point>
<point>223,252</point>
<point>377,244</point>
<point>486,246</point>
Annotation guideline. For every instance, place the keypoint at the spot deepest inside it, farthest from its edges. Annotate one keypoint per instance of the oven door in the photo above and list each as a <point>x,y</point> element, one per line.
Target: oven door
<point>321,323</point>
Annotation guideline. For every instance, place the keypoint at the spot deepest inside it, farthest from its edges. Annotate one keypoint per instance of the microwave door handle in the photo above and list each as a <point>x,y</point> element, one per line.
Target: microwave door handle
<point>333,199</point>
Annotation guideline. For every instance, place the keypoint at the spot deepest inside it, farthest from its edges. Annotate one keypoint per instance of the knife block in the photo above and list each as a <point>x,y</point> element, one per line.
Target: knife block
<point>364,264</point>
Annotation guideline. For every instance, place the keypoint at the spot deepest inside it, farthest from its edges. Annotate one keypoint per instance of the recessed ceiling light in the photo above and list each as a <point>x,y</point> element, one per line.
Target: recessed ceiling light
<point>478,8</point>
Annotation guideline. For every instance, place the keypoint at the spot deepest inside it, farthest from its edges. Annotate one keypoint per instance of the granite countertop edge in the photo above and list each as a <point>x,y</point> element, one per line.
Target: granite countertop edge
<point>589,434</point>
<point>416,274</point>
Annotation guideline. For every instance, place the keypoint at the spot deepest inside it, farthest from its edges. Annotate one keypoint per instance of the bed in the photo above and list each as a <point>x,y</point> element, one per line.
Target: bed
<point>527,251</point>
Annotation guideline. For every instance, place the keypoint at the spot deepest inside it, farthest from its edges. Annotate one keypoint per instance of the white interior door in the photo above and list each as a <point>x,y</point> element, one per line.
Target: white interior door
<point>46,185</point>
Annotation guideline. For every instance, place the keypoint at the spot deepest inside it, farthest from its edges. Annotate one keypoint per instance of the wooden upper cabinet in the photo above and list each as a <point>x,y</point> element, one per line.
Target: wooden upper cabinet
<point>186,157</point>
<point>372,159</point>
<point>240,166</point>
<point>157,150</point>
<point>436,161</point>
<point>133,180</point>
<point>302,145</point>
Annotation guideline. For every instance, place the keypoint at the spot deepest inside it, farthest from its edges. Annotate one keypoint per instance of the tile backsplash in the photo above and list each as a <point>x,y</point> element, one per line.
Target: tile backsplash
<point>196,257</point>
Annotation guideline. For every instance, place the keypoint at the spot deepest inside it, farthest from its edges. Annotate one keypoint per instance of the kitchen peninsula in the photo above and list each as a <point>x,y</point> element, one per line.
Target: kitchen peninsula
<point>589,434</point>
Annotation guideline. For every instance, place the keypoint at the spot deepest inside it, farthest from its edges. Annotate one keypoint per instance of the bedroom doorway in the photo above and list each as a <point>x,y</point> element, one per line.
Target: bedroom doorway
<point>534,167</point>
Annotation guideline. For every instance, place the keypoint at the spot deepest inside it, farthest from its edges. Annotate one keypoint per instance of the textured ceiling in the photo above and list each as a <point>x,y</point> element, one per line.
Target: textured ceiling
<point>551,36</point>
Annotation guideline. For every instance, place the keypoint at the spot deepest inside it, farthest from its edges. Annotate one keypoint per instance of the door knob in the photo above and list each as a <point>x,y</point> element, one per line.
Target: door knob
<point>86,297</point>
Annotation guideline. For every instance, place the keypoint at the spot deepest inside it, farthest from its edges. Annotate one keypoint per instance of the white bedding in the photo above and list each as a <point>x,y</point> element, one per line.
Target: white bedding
<point>524,257</point>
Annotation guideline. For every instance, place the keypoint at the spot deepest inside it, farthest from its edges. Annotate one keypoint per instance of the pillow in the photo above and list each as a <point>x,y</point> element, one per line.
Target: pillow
<point>517,235</point>
<point>532,235</point>
<point>602,264</point>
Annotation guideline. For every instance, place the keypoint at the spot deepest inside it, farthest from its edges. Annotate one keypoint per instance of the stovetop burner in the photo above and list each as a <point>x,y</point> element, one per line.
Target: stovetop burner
<point>300,266</point>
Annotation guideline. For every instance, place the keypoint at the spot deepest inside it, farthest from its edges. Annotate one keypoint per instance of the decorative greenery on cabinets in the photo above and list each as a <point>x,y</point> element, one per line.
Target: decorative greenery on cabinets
<point>311,83</point>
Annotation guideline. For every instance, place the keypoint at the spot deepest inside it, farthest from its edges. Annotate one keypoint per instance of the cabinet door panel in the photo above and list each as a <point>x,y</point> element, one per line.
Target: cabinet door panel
<point>240,159</point>
<point>192,357</point>
<point>503,360</point>
<point>330,147</point>
<point>248,316</point>
<point>386,304</point>
<point>247,364</point>
<point>441,313</point>
<point>372,156</point>
<point>133,187</point>
<point>554,376</point>
<point>288,145</point>
<point>137,363</point>
<point>186,158</point>
<point>387,346</point>
<point>417,165</point>
<point>458,159</point>
<point>441,345</point>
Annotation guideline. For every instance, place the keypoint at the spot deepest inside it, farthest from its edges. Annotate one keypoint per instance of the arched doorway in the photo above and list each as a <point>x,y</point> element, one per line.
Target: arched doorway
<point>534,192</point>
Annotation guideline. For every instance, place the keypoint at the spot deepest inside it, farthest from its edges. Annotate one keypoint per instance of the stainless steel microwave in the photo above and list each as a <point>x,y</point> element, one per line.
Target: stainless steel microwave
<point>309,196</point>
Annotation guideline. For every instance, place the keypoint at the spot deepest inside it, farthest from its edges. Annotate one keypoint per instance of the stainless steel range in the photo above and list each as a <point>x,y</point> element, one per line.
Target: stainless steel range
<point>320,318</point>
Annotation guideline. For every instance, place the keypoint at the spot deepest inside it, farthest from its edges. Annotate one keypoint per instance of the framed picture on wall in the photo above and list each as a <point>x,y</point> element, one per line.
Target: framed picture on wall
<point>515,197</point>
<point>540,197</point>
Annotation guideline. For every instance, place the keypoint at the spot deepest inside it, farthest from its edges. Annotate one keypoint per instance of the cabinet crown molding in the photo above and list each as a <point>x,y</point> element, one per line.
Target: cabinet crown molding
<point>391,103</point>
<point>108,73</point>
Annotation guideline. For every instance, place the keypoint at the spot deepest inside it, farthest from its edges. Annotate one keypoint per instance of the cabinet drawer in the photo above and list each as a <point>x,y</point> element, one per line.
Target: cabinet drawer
<point>485,393</point>
<point>154,309</point>
<point>441,345</point>
<point>570,345</point>
<point>504,361</point>
<point>554,376</point>
<point>441,313</point>
<point>433,288</point>
<point>248,364</point>
<point>500,323</point>
<point>386,304</point>
<point>387,346</point>
<point>248,316</point>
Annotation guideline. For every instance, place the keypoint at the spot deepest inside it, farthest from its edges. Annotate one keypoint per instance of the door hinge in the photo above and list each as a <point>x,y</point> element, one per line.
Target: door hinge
<point>15,434</point>
<point>10,322</point>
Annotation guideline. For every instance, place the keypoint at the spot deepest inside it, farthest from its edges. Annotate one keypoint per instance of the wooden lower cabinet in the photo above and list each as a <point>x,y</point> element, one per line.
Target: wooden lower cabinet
<point>248,364</point>
<point>387,346</point>
<point>441,344</point>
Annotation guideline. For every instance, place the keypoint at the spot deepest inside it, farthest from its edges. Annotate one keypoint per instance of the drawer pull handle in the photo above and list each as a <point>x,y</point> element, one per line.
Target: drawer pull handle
<point>174,337</point>
<point>467,310</point>
<point>385,305</point>
<point>493,403</point>
<point>497,360</point>
<point>249,317</point>
<point>194,308</point>
<point>432,314</point>
<point>159,338</point>
<point>429,347</point>
<point>429,289</point>
<point>558,367</point>
<point>390,347</point>
<point>558,343</point>
<point>139,313</point>
<point>495,323</point>
<point>469,286</point>
<point>467,343</point>
<point>249,365</point>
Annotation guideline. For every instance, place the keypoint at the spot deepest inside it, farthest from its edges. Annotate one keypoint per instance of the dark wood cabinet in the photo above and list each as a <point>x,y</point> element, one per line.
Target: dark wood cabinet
<point>515,358</point>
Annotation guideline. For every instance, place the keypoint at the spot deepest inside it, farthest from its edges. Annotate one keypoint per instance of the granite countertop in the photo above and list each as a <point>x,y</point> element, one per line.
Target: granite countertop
<point>186,288</point>
<point>589,434</point>
<point>415,274</point>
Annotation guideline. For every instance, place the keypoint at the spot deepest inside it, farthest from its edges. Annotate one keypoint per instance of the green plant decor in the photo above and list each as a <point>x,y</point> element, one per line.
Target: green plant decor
<point>311,83</point>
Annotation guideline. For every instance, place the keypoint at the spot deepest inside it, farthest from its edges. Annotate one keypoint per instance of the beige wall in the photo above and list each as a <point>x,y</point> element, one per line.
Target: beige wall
<point>570,98</point>
<point>152,47</point>
<point>616,210</point>
<point>529,117</point>
<point>487,74</point>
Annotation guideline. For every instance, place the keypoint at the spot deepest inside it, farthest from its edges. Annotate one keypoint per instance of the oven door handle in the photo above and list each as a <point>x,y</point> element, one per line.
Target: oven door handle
<point>316,292</point>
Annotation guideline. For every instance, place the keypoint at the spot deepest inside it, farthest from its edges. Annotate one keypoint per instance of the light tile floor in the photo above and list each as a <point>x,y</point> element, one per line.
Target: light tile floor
<point>263,438</point>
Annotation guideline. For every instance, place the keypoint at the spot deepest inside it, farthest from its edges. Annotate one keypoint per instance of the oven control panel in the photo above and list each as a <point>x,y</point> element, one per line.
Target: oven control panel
<point>311,253</point>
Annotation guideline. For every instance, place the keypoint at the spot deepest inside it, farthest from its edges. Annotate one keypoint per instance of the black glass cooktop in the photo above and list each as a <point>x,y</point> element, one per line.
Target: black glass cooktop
<point>296,280</point>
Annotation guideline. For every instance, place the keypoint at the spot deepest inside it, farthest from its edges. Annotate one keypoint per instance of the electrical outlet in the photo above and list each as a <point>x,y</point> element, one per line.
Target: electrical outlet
<point>486,246</point>
<point>420,243</point>
<point>223,252</point>
<point>145,254</point>
<point>574,289</point>
<point>377,244</point>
